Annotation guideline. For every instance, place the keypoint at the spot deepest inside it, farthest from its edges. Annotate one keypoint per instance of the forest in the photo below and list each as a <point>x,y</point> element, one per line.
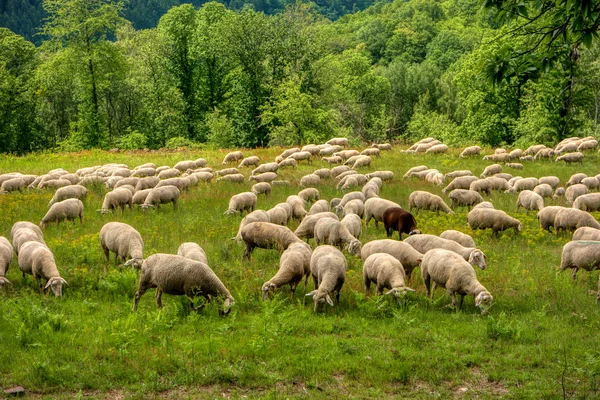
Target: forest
<point>496,72</point>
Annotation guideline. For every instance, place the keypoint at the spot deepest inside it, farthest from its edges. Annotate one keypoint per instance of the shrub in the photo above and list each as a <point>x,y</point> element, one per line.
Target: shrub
<point>132,141</point>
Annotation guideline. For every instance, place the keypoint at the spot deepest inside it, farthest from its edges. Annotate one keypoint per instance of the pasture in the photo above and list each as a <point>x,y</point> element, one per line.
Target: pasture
<point>539,339</point>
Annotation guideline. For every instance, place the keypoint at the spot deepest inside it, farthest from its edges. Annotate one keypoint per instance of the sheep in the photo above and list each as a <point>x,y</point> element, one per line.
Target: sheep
<point>288,209</point>
<point>491,170</point>
<point>461,238</point>
<point>249,161</point>
<point>566,148</point>
<point>461,182</point>
<point>288,152</point>
<point>128,187</point>
<point>298,211</point>
<point>193,251</point>
<point>424,242</point>
<point>169,173</point>
<point>69,209</point>
<point>559,192</point>
<point>355,206</point>
<point>232,157</point>
<point>340,169</point>
<point>411,172</point>
<point>526,158</point>
<point>462,197</point>
<point>319,206</point>
<point>12,185</point>
<point>288,163</point>
<point>373,151</point>
<point>458,173</point>
<point>123,240</point>
<point>543,190</point>
<point>332,160</point>
<point>383,146</point>
<point>530,200</point>
<point>574,191</point>
<point>501,175</point>
<point>261,188</point>
<point>588,202</point>
<point>586,233</point>
<point>179,183</point>
<point>25,231</point>
<point>328,151</point>
<point>6,255</point>
<point>383,175</point>
<point>344,174</point>
<point>374,209</point>
<point>301,155</point>
<point>334,203</point>
<point>386,272</point>
<point>450,271</point>
<point>346,154</point>
<point>532,150</point>
<point>338,141</point>
<point>403,252</point>
<point>352,181</point>
<point>544,153</point>
<point>264,177</point>
<point>575,179</point>
<point>481,186</point>
<point>579,254</point>
<point>177,275</point>
<point>69,192</point>
<point>587,145</point>
<point>309,195</point>
<point>207,176</point>
<point>571,158</point>
<point>54,183</point>
<point>437,149</point>
<point>362,161</point>
<point>489,218</point>
<point>328,269</point>
<point>117,198</point>
<point>523,184</point>
<point>396,219</point>
<point>353,223</point>
<point>331,231</point>
<point>435,177</point>
<point>323,173</point>
<point>514,165</point>
<point>267,235</point>
<point>36,259</point>
<point>470,151</point>
<point>307,227</point>
<point>140,196</point>
<point>144,172</point>
<point>498,157</point>
<point>569,219</point>
<point>277,215</point>
<point>267,167</point>
<point>255,216</point>
<point>370,189</point>
<point>227,171</point>
<point>241,202</point>
<point>162,195</point>
<point>516,154</point>
<point>294,264</point>
<point>591,182</point>
<point>547,215</point>
<point>200,163</point>
<point>233,178</point>
<point>427,201</point>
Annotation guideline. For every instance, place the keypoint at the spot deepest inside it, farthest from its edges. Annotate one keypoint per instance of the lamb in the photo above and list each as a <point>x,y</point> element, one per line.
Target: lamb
<point>353,223</point>
<point>396,219</point>
<point>117,198</point>
<point>586,233</point>
<point>461,238</point>
<point>362,161</point>
<point>328,269</point>
<point>169,173</point>
<point>294,264</point>
<point>69,209</point>
<point>241,202</point>
<point>574,191</point>
<point>278,215</point>
<point>410,173</point>
<point>491,170</point>
<point>267,167</point>
<point>355,206</point>
<point>37,259</point>
<point>461,182</point>
<point>403,252</point>
<point>162,195</point>
<point>578,255</point>
<point>232,157</point>
<point>569,219</point>
<point>543,190</point>
<point>193,251</point>
<point>424,242</point>
<point>309,195</point>
<point>266,235</point>
<point>254,216</point>
<point>462,197</point>
<point>575,179</point>
<point>318,207</point>
<point>12,185</point>
<point>588,202</point>
<point>307,227</point>
<point>249,161</point>
<point>530,200</point>
<point>374,209</point>
<point>331,231</point>
<point>298,211</point>
<point>233,178</point>
<point>264,177</point>
<point>6,255</point>
<point>571,158</point>
<point>386,272</point>
<point>489,218</point>
<point>450,271</point>
<point>178,275</point>
<point>69,192</point>
<point>437,149</point>
<point>262,188</point>
<point>124,241</point>
<point>427,201</point>
<point>338,142</point>
<point>470,151</point>
<point>383,175</point>
<point>227,171</point>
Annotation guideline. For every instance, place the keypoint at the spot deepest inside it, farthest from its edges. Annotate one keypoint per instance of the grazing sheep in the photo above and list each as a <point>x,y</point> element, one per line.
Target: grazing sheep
<point>148,182</point>
<point>298,210</point>
<point>186,164</point>
<point>427,201</point>
<point>294,264</point>
<point>470,151</point>
<point>497,183</point>
<point>516,154</point>
<point>450,271</point>
<point>462,197</point>
<point>168,173</point>
<point>371,188</point>
<point>531,150</point>
<point>288,152</point>
<point>348,197</point>
<point>526,158</point>
<point>571,158</point>
<point>307,227</point>
<point>437,149</point>
<point>544,153</point>
<point>588,202</point>
<point>124,241</point>
<point>514,165</point>
<point>267,167</point>
<point>340,169</point>
<point>323,173</point>
<point>69,209</point>
<point>372,151</point>
<point>523,184</point>
<point>233,178</point>
<point>69,192</point>
<point>383,175</point>
<point>347,154</point>
<point>588,145</point>
<point>491,170</point>
<point>424,242</point>
<point>481,186</point>
<point>417,172</point>
<point>140,196</point>
<point>397,219</point>
<point>232,157</point>
<point>403,252</point>
<point>144,172</point>
<point>54,183</point>
<point>353,223</point>
<point>591,182</point>
<point>334,203</point>
<point>333,160</point>
<point>345,174</point>
<point>179,183</point>
<point>6,255</point>
<point>262,188</point>
<point>331,231</point>
<point>374,209</point>
<point>24,231</point>
<point>578,255</point>
<point>382,146</point>
<point>490,218</point>
<point>547,215</point>
<point>501,175</point>
<point>328,269</point>
<point>352,182</point>
<point>574,191</point>
<point>178,276</point>
<point>289,162</point>
<point>227,171</point>
<point>328,151</point>
<point>543,190</point>
<point>266,235</point>
<point>461,238</point>
<point>36,259</point>
<point>362,161</point>
<point>461,182</point>
<point>12,185</point>
<point>277,215</point>
<point>356,207</point>
<point>264,177</point>
<point>318,207</point>
<point>338,142</point>
<point>193,251</point>
<point>120,197</point>
<point>241,202</point>
<point>569,219</point>
<point>200,162</point>
<point>162,195</point>
<point>249,161</point>
<point>309,195</point>
<point>530,200</point>
<point>567,147</point>
<point>207,176</point>
<point>257,216</point>
<point>575,179</point>
<point>300,156</point>
<point>559,192</point>
<point>586,233</point>
<point>458,173</point>
<point>386,272</point>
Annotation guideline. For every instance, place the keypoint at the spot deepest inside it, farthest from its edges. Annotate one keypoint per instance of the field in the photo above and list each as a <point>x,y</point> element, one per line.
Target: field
<point>539,340</point>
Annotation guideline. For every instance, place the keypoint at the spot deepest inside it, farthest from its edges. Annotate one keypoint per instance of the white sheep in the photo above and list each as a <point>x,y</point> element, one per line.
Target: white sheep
<point>523,184</point>
<point>25,231</point>
<point>6,255</point>
<point>331,231</point>
<point>449,270</point>
<point>587,202</point>
<point>403,252</point>
<point>362,161</point>
<point>462,197</point>
<point>69,192</point>
<point>481,186</point>
<point>36,259</point>
<point>355,206</point>
<point>267,167</point>
<point>559,192</point>
<point>232,157</point>
<point>262,188</point>
<point>300,156</point>
<point>245,201</point>
<point>497,183</point>
<point>532,150</point>
<point>543,190</point>
<point>340,169</point>
<point>294,264</point>
<point>383,175</point>
<point>328,269</point>
<point>386,272</point>
<point>422,200</point>
<point>117,198</point>
<point>278,215</point>
<point>490,218</point>
<point>461,182</point>
<point>530,200</point>
<point>162,195</point>
<point>12,185</point>
<point>69,209</point>
<point>461,238</point>
<point>458,173</point>
<point>412,171</point>
<point>178,275</point>
<point>470,151</point>
<point>249,162</point>
<point>310,180</point>
<point>575,179</point>
<point>233,178</point>
<point>227,171</point>
<point>437,149</point>
<point>338,142</point>
<point>123,240</point>
<point>591,182</point>
<point>353,223</point>
<point>288,152</point>
<point>254,216</point>
<point>319,206</point>
<point>333,160</point>
<point>571,158</point>
<point>372,151</point>
<point>586,233</point>
<point>569,219</point>
<point>266,235</point>
<point>289,162</point>
<point>192,251</point>
<point>491,170</point>
<point>574,191</point>
<point>168,173</point>
<point>547,215</point>
<point>323,173</point>
<point>587,145</point>
<point>374,209</point>
<point>307,227</point>
<point>264,177</point>
<point>298,210</point>
<point>580,254</point>
<point>424,242</point>
<point>309,195</point>
<point>140,196</point>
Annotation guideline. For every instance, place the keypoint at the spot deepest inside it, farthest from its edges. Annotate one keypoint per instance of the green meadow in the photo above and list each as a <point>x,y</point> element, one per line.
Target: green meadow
<point>540,338</point>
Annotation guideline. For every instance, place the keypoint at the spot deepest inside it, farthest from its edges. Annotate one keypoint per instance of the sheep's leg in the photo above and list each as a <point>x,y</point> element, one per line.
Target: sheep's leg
<point>460,303</point>
<point>40,284</point>
<point>367,284</point>
<point>106,252</point>
<point>248,251</point>
<point>140,292</point>
<point>158,297</point>
<point>453,296</point>
<point>574,273</point>
<point>337,296</point>
<point>427,282</point>
<point>379,289</point>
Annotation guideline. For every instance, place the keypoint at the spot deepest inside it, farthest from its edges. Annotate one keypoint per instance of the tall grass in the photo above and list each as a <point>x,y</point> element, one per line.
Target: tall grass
<point>540,339</point>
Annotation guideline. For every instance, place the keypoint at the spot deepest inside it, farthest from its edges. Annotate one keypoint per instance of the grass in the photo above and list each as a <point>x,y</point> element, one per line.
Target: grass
<point>540,339</point>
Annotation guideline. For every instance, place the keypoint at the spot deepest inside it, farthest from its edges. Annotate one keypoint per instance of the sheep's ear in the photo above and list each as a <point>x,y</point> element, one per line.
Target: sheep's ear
<point>129,262</point>
<point>311,294</point>
<point>49,283</point>
<point>329,301</point>
<point>3,280</point>
<point>64,282</point>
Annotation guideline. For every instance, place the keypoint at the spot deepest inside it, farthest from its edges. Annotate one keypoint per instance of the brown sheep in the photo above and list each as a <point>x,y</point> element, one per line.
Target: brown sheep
<point>397,219</point>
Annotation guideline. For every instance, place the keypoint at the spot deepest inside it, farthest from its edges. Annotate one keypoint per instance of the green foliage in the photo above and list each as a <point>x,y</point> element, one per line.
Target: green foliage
<point>132,141</point>
<point>178,142</point>
<point>221,130</point>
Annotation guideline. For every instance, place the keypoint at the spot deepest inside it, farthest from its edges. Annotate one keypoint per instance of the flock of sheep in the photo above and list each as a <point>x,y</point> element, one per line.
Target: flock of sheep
<point>447,260</point>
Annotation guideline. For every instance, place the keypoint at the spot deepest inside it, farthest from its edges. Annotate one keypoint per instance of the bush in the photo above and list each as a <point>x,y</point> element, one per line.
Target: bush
<point>180,141</point>
<point>132,141</point>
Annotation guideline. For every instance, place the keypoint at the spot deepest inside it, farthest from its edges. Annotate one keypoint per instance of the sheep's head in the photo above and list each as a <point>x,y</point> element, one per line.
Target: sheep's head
<point>134,263</point>
<point>477,258</point>
<point>104,211</point>
<point>56,283</point>
<point>4,281</point>
<point>229,212</point>
<point>355,247</point>
<point>414,232</point>
<point>399,291</point>
<point>484,300</point>
<point>319,298</point>
<point>227,305</point>
<point>266,288</point>
<point>519,227</point>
